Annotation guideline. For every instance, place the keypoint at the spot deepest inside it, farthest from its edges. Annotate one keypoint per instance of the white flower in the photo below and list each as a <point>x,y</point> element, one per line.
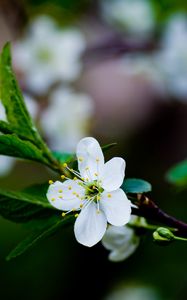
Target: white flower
<point>136,17</point>
<point>96,193</point>
<point>172,57</point>
<point>49,54</point>
<point>122,241</point>
<point>66,119</point>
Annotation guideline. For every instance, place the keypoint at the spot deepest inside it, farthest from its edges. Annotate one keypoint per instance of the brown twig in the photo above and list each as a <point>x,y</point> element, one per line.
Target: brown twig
<point>148,209</point>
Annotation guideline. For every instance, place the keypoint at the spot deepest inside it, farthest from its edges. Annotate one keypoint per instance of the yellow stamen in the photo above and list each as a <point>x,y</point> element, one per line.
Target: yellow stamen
<point>109,195</point>
<point>63,214</point>
<point>60,191</point>
<point>98,211</point>
<point>75,178</point>
<point>53,199</point>
<point>98,197</point>
<point>81,205</point>
<point>96,174</point>
<point>65,165</point>
<point>70,187</point>
<point>60,197</point>
<point>50,181</point>
<point>97,159</point>
<point>63,176</point>
<point>80,159</point>
<point>76,215</point>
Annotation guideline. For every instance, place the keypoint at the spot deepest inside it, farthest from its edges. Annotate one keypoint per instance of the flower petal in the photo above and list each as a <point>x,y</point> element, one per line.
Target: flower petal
<point>116,207</point>
<point>66,196</point>
<point>90,158</point>
<point>121,240</point>
<point>90,226</point>
<point>113,174</point>
<point>116,236</point>
<point>125,251</point>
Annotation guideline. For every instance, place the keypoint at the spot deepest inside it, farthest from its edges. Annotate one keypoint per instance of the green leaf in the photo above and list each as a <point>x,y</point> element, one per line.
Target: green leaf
<point>12,145</point>
<point>108,146</point>
<point>136,186</point>
<point>20,139</point>
<point>64,157</point>
<point>23,206</point>
<point>178,174</point>
<point>51,226</point>
<point>12,98</point>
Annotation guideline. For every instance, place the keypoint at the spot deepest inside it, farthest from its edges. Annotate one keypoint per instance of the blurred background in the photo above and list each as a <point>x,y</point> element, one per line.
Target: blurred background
<point>115,70</point>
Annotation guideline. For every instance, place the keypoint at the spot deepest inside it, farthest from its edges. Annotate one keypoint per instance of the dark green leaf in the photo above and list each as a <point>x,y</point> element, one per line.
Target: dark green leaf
<point>178,174</point>
<point>136,186</point>
<point>51,226</point>
<point>23,207</point>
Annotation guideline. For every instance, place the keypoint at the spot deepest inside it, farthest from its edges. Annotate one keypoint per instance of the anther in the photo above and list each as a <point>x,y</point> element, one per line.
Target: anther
<point>63,214</point>
<point>60,191</point>
<point>81,205</point>
<point>97,159</point>
<point>75,178</point>
<point>60,197</point>
<point>63,176</point>
<point>96,174</point>
<point>65,165</point>
<point>53,199</point>
<point>98,197</point>
<point>69,188</point>
<point>109,195</point>
<point>50,181</point>
<point>98,211</point>
<point>80,159</point>
<point>76,215</point>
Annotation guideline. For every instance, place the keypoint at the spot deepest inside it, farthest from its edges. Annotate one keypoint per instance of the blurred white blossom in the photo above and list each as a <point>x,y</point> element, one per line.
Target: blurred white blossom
<point>144,65</point>
<point>66,120</point>
<point>122,241</point>
<point>134,292</point>
<point>48,54</point>
<point>136,17</point>
<point>172,57</point>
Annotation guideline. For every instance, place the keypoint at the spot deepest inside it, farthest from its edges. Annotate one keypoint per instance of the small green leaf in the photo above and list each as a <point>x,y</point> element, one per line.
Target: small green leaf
<point>136,186</point>
<point>64,157</point>
<point>50,227</point>
<point>108,146</point>
<point>178,174</point>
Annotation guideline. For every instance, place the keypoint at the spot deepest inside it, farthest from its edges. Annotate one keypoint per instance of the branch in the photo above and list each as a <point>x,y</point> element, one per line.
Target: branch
<point>148,209</point>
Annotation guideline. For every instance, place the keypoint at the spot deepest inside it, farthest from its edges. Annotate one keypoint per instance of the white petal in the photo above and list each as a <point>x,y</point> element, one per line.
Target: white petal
<point>90,158</point>
<point>117,236</point>
<point>90,226</point>
<point>125,251</point>
<point>116,206</point>
<point>64,196</point>
<point>121,240</point>
<point>113,174</point>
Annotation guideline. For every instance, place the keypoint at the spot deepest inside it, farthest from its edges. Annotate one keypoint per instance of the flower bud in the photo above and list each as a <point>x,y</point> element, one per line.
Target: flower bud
<point>163,236</point>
